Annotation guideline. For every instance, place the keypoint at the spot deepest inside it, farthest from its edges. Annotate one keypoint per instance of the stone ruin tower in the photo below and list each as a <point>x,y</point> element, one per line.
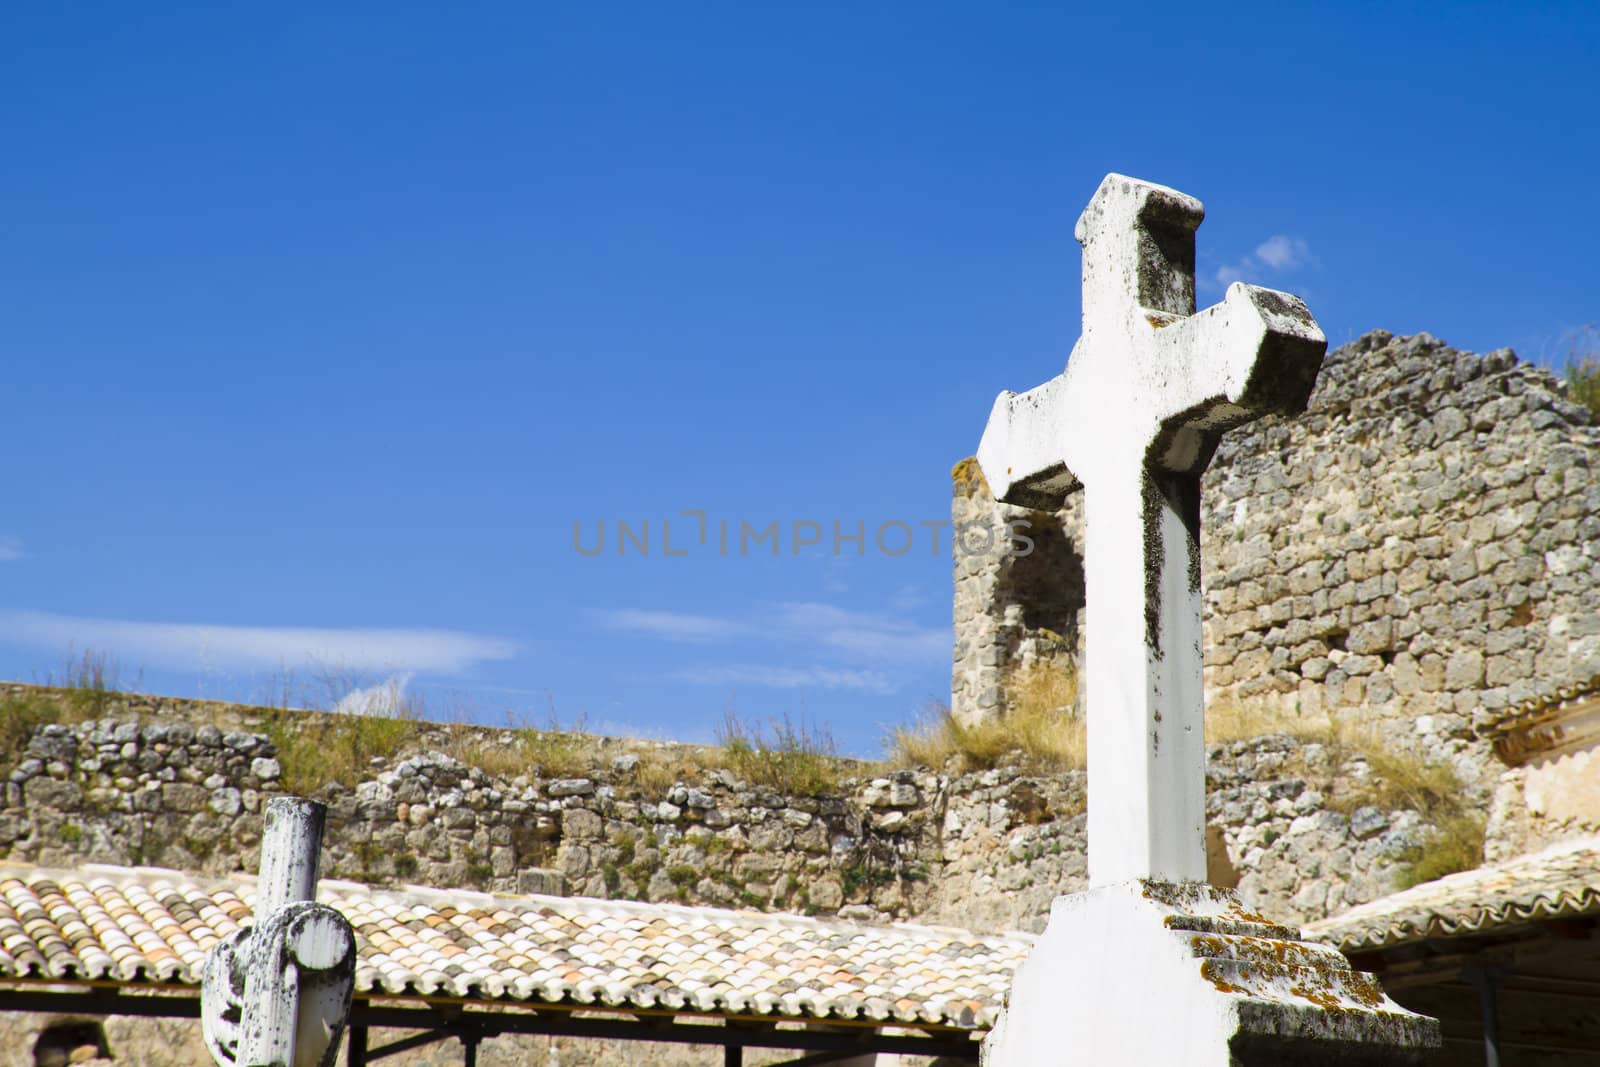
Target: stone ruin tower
<point>1420,550</point>
<point>1018,618</point>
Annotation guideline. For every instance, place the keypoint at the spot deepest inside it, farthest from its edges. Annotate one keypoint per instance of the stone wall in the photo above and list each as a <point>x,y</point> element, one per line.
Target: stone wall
<point>1419,549</point>
<point>988,849</point>
<point>182,784</point>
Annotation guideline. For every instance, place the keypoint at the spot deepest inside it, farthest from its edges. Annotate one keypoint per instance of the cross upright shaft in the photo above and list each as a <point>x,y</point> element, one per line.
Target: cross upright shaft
<point>1134,420</point>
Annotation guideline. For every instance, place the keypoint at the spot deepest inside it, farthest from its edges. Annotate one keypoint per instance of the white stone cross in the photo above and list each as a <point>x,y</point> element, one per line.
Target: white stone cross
<point>277,994</point>
<point>1134,420</point>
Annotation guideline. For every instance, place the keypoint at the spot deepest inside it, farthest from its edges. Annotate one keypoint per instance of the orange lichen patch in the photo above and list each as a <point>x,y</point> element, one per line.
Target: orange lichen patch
<point>1239,961</point>
<point>1213,974</point>
<point>1261,950</point>
<point>1364,990</point>
<point>1254,917</point>
<point>1322,998</point>
<point>967,478</point>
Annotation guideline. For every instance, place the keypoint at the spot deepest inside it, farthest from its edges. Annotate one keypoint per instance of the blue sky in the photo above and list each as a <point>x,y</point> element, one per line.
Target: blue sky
<point>323,325</point>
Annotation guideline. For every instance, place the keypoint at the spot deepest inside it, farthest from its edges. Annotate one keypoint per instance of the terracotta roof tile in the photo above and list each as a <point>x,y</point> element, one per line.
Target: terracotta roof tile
<point>1562,881</point>
<point>139,924</point>
<point>1508,718</point>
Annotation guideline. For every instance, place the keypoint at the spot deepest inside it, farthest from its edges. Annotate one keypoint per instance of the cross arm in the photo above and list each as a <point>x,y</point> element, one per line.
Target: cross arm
<point>1020,454</point>
<point>1256,353</point>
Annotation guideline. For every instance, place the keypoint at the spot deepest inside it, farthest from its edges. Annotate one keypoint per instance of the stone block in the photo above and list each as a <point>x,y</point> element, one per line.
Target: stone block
<point>1370,637</point>
<point>185,796</point>
<point>51,793</point>
<point>1464,670</point>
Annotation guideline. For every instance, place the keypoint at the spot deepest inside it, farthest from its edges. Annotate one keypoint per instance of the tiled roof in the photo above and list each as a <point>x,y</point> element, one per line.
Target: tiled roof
<point>143,926</point>
<point>1510,717</point>
<point>1562,881</point>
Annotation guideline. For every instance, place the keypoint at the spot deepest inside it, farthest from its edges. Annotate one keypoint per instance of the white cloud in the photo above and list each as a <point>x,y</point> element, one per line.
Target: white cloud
<point>386,698</point>
<point>10,549</point>
<point>786,678</point>
<point>672,625</point>
<point>196,645</point>
<point>1279,253</point>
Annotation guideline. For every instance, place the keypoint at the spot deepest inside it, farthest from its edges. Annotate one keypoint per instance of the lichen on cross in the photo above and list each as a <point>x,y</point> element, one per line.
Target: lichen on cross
<point>1134,420</point>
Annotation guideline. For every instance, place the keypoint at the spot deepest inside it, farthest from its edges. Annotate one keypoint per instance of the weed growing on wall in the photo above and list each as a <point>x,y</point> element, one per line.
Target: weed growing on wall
<point>789,757</point>
<point>314,750</point>
<point>1396,779</point>
<point>1582,369</point>
<point>84,690</point>
<point>1039,729</point>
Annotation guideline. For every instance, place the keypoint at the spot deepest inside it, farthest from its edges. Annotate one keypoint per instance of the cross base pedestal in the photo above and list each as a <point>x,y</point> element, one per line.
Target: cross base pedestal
<point>1182,974</point>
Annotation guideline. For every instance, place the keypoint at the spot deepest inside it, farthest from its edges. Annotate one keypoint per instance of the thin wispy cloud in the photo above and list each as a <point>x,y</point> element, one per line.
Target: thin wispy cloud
<point>863,635</point>
<point>910,597</point>
<point>10,549</point>
<point>786,678</point>
<point>190,645</point>
<point>671,625</point>
<point>858,635</point>
<point>1279,253</point>
<point>858,650</point>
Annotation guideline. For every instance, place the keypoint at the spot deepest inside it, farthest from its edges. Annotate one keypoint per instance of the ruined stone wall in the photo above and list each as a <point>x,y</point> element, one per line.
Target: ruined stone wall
<point>987,849</point>
<point>168,792</point>
<point>182,784</point>
<point>1012,611</point>
<point>1419,549</point>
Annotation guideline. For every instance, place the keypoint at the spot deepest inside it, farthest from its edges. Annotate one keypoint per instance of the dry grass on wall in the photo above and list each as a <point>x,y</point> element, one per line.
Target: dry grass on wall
<point>1040,729</point>
<point>317,749</point>
<point>790,757</point>
<point>1229,720</point>
<point>1399,780</point>
<point>1582,369</point>
<point>20,715</point>
<point>1393,779</point>
<point>83,691</point>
